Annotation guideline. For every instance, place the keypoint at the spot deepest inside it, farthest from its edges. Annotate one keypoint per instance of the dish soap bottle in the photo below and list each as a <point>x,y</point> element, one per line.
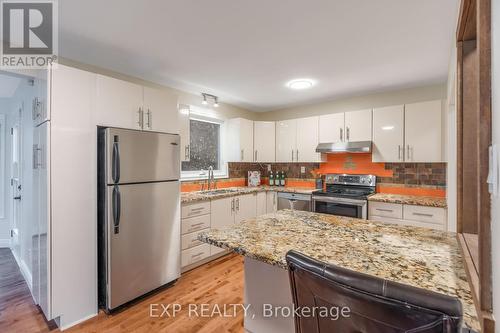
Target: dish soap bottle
<point>271,178</point>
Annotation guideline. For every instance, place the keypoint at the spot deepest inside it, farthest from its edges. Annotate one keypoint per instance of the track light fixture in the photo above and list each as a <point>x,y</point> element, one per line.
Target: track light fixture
<point>209,96</point>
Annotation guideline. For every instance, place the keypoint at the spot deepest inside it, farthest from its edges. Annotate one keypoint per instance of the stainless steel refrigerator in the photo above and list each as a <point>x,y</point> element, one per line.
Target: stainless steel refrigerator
<point>139,213</point>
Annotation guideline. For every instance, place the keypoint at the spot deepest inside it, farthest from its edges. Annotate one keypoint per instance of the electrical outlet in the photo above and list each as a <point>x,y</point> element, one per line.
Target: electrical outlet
<point>302,169</point>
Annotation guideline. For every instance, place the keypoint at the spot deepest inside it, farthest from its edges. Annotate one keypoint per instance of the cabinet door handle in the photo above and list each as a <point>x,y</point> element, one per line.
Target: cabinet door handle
<point>347,133</point>
<point>292,155</point>
<point>238,204</point>
<point>408,152</point>
<point>242,154</point>
<point>423,214</point>
<point>232,205</point>
<point>256,155</point>
<point>149,115</point>
<point>140,122</point>
<point>399,152</point>
<point>384,210</point>
<point>341,133</point>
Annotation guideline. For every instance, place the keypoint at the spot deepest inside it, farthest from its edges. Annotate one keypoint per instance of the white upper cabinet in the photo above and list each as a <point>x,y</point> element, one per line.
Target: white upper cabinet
<point>264,141</point>
<point>331,128</point>
<point>160,111</point>
<point>119,103</point>
<point>240,137</point>
<point>307,140</point>
<point>358,125</point>
<point>423,132</point>
<point>388,130</point>
<point>184,130</point>
<point>286,140</point>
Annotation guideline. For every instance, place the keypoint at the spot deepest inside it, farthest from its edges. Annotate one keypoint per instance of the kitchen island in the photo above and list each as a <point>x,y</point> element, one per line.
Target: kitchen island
<point>419,257</point>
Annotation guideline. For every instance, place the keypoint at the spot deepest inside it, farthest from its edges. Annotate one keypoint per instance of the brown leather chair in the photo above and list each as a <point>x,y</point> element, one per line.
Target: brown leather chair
<point>375,305</point>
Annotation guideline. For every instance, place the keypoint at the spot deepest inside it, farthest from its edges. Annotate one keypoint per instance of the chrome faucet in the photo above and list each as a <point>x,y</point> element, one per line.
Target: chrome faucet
<point>210,178</point>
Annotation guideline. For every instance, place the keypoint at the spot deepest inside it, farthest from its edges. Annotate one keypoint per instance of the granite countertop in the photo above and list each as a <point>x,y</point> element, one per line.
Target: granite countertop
<point>409,200</point>
<point>420,257</point>
<point>188,197</point>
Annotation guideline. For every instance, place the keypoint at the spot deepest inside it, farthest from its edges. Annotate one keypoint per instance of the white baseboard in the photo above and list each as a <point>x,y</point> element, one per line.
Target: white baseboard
<point>24,271</point>
<point>66,326</point>
<point>5,243</point>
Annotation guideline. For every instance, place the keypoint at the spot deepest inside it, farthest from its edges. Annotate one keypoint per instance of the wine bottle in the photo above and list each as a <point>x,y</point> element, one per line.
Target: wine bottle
<point>271,179</point>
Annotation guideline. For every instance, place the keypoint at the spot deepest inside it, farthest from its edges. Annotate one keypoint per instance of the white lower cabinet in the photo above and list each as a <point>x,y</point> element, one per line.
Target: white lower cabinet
<point>272,202</point>
<point>418,216</point>
<point>245,207</point>
<point>195,254</point>
<point>215,214</point>
<point>261,203</point>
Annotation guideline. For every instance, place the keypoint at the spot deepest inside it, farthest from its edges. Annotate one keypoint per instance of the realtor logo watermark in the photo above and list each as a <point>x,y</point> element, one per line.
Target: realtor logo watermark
<point>29,33</point>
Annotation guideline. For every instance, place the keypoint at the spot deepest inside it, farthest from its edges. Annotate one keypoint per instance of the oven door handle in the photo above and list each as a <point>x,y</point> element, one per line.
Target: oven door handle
<point>339,200</point>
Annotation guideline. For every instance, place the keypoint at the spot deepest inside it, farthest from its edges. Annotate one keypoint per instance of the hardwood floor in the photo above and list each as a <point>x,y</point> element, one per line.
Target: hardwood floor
<point>216,283</point>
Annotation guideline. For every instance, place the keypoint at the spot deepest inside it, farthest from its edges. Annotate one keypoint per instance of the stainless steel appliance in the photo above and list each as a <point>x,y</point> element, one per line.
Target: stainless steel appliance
<point>345,195</point>
<point>138,213</point>
<point>345,147</point>
<point>294,201</point>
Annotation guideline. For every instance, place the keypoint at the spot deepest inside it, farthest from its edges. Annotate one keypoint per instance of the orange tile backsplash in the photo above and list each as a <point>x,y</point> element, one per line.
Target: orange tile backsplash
<point>353,163</point>
<point>421,179</point>
<point>418,191</point>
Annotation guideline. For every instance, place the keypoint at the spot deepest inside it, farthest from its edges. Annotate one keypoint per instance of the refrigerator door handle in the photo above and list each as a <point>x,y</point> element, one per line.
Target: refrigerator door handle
<point>116,208</point>
<point>116,161</point>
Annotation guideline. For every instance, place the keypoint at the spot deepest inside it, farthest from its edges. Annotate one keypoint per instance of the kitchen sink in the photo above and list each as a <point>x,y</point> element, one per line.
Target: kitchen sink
<point>221,191</point>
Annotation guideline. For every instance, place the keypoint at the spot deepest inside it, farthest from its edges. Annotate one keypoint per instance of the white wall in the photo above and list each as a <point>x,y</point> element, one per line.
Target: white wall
<point>495,204</point>
<point>5,109</point>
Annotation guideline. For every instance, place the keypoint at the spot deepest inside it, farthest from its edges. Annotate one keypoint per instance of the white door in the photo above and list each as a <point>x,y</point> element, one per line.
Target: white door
<point>261,203</point>
<point>184,127</point>
<point>222,212</point>
<point>286,140</point>
<point>160,111</point>
<point>272,202</point>
<point>16,183</point>
<point>331,128</point>
<point>119,103</point>
<point>307,140</point>
<point>358,125</point>
<point>388,127</point>
<point>423,140</point>
<point>246,207</point>
<point>264,141</point>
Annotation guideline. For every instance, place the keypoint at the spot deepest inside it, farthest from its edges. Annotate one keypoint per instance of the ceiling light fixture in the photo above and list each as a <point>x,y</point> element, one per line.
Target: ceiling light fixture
<point>300,84</point>
<point>204,102</point>
<point>208,96</point>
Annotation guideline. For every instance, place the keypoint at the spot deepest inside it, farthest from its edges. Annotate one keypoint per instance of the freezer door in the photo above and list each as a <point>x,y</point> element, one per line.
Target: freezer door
<point>143,239</point>
<point>137,156</point>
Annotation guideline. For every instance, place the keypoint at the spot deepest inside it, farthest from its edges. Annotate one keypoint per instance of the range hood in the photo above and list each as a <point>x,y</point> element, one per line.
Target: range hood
<point>345,147</point>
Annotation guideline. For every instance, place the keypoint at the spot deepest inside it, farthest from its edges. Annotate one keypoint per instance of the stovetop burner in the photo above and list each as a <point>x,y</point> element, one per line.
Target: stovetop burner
<point>348,186</point>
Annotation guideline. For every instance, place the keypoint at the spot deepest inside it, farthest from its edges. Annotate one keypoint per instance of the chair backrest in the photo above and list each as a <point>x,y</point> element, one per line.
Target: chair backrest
<point>374,305</point>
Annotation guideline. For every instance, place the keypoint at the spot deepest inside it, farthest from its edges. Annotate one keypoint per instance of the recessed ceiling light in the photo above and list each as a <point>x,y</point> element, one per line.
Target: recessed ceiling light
<point>300,84</point>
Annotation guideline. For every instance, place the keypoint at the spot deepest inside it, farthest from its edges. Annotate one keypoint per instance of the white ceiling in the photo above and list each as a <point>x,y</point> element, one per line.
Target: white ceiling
<point>8,85</point>
<point>245,51</point>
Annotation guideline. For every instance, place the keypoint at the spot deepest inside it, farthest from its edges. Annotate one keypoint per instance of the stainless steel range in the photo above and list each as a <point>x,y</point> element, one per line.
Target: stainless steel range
<point>345,195</point>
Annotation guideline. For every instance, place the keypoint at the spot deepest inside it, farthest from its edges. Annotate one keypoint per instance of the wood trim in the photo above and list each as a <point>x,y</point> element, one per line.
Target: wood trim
<point>470,269</point>
<point>459,119</point>
<point>484,107</point>
<point>466,29</point>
